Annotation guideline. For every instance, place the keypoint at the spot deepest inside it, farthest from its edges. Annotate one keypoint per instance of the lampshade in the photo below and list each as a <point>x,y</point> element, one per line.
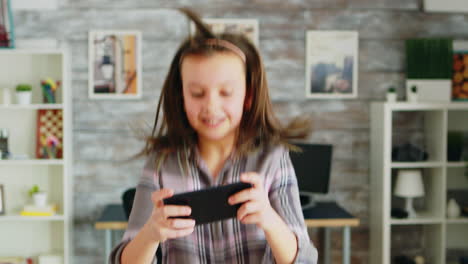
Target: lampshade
<point>409,183</point>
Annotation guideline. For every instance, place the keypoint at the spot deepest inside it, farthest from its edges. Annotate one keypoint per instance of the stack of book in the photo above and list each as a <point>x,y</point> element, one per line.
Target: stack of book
<point>33,210</point>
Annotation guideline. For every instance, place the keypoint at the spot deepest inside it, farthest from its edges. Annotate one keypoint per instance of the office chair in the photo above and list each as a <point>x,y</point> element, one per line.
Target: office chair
<point>127,199</point>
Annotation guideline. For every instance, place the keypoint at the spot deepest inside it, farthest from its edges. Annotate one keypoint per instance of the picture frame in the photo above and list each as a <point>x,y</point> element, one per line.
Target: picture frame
<point>2,200</point>
<point>7,26</point>
<point>114,64</point>
<point>331,70</point>
<point>248,27</point>
<point>459,68</point>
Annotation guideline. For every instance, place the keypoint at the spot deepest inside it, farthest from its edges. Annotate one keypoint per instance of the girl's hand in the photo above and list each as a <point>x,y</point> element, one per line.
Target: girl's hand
<point>256,208</point>
<point>161,227</point>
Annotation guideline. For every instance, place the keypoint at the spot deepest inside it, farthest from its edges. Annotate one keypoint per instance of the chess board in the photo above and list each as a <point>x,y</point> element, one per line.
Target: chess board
<point>49,122</point>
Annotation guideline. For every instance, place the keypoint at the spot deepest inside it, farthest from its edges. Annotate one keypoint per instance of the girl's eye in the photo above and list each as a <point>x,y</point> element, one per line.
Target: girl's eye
<point>197,94</point>
<point>226,93</point>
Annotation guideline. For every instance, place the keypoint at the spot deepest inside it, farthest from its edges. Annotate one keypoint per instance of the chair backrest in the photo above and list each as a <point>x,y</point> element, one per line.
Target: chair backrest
<point>127,200</point>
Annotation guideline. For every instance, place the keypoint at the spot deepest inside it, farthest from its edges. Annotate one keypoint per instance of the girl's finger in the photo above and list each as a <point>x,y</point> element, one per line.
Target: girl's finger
<point>159,195</point>
<point>253,178</point>
<point>242,196</point>
<point>247,209</point>
<point>176,210</point>
<point>178,223</point>
<point>251,219</point>
<point>180,233</point>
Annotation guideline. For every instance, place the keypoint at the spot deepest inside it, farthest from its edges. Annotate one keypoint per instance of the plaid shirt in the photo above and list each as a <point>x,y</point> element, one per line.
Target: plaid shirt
<point>227,241</point>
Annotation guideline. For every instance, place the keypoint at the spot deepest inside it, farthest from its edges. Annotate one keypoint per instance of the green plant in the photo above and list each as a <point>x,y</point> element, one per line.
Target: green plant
<point>33,190</point>
<point>391,89</point>
<point>429,58</point>
<point>23,88</point>
<point>414,89</point>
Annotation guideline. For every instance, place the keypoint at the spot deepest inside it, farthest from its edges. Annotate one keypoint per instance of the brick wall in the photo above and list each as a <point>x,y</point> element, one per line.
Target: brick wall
<point>102,135</point>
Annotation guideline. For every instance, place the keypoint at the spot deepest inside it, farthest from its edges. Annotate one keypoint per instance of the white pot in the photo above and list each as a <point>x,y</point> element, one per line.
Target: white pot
<point>40,199</point>
<point>391,97</point>
<point>23,98</point>
<point>431,90</point>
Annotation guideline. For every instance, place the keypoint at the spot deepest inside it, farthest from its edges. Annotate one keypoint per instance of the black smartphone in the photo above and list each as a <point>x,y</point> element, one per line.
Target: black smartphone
<point>211,204</point>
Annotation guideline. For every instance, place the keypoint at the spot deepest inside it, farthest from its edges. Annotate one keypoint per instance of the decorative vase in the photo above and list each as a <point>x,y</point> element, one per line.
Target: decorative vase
<point>23,98</point>
<point>391,97</point>
<point>40,198</point>
<point>453,209</point>
<point>412,97</point>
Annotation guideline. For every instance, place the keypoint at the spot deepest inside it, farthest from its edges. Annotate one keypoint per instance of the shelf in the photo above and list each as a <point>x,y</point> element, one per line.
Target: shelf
<point>423,164</point>
<point>31,162</point>
<point>31,106</point>
<point>31,218</point>
<point>460,220</point>
<point>422,218</point>
<point>31,51</point>
<point>35,235</point>
<point>457,164</point>
<point>428,106</point>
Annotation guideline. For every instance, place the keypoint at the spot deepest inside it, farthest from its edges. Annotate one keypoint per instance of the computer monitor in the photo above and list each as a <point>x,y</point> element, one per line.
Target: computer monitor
<point>312,167</point>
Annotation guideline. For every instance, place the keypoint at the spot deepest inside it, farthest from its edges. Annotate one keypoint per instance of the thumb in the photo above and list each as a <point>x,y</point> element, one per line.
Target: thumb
<point>159,195</point>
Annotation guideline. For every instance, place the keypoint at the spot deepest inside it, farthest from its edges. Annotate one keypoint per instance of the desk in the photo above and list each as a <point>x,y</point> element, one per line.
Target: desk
<point>329,215</point>
<point>112,218</point>
<point>324,215</point>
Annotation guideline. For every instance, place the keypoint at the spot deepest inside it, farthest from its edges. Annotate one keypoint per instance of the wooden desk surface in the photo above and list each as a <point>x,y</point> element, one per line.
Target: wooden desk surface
<point>327,214</point>
<point>113,217</point>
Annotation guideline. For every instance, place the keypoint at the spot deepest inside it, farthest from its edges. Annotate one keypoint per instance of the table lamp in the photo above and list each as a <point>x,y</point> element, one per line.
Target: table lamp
<point>409,185</point>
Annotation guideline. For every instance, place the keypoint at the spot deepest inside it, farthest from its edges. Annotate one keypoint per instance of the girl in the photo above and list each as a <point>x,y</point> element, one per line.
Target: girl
<point>218,127</point>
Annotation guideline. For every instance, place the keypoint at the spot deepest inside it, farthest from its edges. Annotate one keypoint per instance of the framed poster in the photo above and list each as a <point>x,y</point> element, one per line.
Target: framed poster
<point>460,71</point>
<point>114,65</point>
<point>247,27</point>
<point>331,64</point>
<point>7,28</point>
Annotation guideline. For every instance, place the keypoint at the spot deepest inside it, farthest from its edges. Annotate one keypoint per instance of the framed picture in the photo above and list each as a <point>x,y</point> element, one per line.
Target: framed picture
<point>331,64</point>
<point>460,71</point>
<point>7,29</point>
<point>2,200</point>
<point>248,27</point>
<point>115,65</point>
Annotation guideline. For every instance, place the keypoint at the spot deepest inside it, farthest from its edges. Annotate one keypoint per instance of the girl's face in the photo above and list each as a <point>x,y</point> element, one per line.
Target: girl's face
<point>214,92</point>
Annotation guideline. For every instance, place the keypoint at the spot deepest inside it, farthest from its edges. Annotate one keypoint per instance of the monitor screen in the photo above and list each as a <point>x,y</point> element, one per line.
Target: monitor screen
<point>312,167</point>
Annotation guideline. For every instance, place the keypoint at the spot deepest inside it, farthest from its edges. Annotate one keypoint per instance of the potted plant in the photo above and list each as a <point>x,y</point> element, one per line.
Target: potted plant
<point>413,94</point>
<point>39,197</point>
<point>23,94</point>
<point>391,94</point>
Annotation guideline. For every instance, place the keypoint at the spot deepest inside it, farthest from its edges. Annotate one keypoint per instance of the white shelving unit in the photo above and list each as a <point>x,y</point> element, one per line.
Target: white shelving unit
<point>431,121</point>
<point>26,236</point>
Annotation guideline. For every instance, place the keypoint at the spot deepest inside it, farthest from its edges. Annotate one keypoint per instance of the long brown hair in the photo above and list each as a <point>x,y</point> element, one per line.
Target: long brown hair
<point>258,128</point>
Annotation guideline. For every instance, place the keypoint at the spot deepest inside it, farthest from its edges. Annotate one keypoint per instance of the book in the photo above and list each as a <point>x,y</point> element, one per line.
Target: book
<point>33,210</point>
<point>26,213</point>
